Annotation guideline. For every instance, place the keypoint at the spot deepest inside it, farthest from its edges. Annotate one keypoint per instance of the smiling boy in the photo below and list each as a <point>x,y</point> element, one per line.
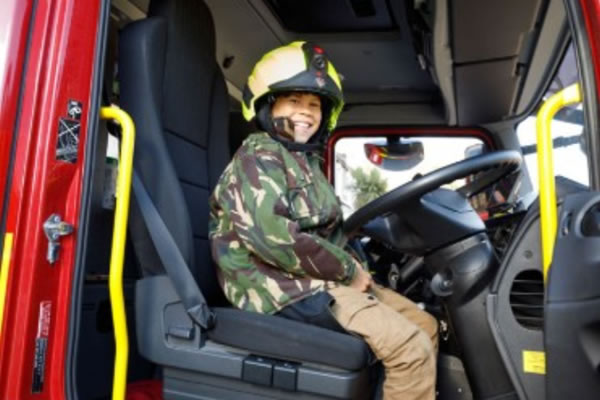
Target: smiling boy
<point>276,224</point>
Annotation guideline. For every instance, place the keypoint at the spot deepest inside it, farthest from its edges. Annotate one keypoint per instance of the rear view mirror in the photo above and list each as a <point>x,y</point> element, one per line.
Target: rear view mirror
<point>474,150</point>
<point>395,154</point>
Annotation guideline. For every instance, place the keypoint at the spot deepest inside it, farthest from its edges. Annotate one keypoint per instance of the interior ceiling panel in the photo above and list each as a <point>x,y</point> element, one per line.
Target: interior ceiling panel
<point>489,39</point>
<point>372,62</point>
<point>479,43</point>
<point>477,89</point>
<point>392,114</point>
<point>235,22</point>
<point>315,16</point>
<point>384,65</point>
<point>490,29</point>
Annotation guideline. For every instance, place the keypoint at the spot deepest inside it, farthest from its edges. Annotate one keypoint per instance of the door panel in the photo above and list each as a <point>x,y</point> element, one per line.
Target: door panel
<point>572,324</point>
<point>48,165</point>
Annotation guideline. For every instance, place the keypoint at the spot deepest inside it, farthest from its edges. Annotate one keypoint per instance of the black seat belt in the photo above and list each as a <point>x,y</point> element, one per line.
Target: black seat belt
<point>172,259</point>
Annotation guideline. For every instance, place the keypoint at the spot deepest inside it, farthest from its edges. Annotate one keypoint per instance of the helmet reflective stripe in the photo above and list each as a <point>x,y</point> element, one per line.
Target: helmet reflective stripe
<point>337,109</point>
<point>288,68</point>
<point>334,75</point>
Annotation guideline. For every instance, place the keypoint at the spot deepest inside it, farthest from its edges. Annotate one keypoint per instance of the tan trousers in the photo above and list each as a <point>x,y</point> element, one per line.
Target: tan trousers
<point>402,336</point>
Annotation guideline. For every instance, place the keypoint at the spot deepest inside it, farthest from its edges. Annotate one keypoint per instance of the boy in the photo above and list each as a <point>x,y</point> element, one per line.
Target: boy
<point>275,223</point>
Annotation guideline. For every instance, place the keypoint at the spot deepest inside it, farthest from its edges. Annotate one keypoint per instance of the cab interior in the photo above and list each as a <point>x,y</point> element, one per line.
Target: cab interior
<point>413,68</point>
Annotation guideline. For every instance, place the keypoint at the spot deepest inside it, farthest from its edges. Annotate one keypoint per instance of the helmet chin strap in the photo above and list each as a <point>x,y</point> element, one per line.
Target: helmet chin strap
<point>282,135</point>
<point>283,126</point>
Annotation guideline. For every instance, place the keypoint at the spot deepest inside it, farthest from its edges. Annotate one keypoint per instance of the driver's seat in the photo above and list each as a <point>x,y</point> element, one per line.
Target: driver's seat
<point>175,92</point>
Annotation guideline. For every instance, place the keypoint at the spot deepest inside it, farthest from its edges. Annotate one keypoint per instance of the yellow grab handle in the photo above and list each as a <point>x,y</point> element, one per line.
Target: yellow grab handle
<point>548,213</point>
<point>115,281</point>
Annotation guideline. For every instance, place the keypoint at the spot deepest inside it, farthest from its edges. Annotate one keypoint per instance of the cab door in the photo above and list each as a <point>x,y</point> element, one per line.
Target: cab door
<point>572,325</point>
<point>48,50</point>
<point>572,310</point>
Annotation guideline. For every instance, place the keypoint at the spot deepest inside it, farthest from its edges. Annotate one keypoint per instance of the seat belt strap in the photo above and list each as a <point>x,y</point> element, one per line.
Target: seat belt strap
<point>172,259</point>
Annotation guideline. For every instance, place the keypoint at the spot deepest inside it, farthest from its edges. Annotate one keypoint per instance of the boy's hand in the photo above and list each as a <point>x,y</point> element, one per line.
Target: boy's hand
<point>362,280</point>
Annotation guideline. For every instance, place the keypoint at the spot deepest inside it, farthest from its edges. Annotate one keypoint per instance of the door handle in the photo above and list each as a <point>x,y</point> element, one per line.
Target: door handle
<point>55,228</point>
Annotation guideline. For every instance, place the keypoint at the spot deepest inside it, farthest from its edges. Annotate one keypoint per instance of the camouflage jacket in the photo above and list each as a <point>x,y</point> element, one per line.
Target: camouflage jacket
<point>275,228</point>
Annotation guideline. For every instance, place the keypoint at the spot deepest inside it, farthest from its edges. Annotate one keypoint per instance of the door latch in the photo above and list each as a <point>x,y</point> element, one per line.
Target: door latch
<point>55,228</point>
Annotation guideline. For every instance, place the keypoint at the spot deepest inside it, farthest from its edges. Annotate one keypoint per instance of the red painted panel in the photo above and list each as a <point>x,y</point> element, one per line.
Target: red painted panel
<point>591,14</point>
<point>60,68</point>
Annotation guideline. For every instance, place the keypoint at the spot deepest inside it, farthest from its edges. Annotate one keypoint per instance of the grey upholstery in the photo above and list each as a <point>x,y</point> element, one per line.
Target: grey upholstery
<point>174,90</point>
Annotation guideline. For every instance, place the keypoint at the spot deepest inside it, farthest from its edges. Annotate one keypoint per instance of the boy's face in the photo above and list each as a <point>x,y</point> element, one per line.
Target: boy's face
<point>303,109</point>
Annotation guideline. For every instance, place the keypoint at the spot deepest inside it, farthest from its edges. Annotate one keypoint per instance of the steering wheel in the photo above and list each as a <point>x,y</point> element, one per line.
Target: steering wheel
<point>496,166</point>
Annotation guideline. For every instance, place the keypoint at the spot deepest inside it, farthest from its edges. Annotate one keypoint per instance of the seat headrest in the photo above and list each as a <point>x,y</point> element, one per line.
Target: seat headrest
<point>187,20</point>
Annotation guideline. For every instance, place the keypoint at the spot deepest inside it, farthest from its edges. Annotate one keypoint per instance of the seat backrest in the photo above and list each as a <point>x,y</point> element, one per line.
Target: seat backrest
<point>175,92</point>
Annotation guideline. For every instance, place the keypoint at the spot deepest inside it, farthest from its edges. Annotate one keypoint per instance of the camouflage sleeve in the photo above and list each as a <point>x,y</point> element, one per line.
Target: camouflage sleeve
<point>258,189</point>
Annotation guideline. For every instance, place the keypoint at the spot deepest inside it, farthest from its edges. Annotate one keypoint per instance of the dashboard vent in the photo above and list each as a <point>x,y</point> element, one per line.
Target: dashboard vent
<point>527,299</point>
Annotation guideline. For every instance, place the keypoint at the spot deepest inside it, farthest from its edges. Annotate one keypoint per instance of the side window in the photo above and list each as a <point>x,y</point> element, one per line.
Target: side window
<point>570,159</point>
<point>368,167</point>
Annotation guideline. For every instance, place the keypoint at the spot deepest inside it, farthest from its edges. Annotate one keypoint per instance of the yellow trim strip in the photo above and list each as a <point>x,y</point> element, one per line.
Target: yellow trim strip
<point>6,256</point>
<point>115,280</point>
<point>548,213</point>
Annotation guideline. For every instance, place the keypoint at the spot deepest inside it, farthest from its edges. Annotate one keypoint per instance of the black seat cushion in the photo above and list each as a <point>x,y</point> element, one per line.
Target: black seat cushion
<point>289,340</point>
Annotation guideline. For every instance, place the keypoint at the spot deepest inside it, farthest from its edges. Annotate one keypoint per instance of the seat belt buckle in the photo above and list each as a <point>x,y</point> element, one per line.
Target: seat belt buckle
<point>203,316</point>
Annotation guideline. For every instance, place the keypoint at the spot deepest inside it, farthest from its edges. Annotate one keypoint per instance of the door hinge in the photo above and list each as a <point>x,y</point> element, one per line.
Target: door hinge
<point>55,228</point>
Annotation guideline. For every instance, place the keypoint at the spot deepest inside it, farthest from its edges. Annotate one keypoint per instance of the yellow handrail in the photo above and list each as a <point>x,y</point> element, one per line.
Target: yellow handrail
<point>115,281</point>
<point>548,213</point>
